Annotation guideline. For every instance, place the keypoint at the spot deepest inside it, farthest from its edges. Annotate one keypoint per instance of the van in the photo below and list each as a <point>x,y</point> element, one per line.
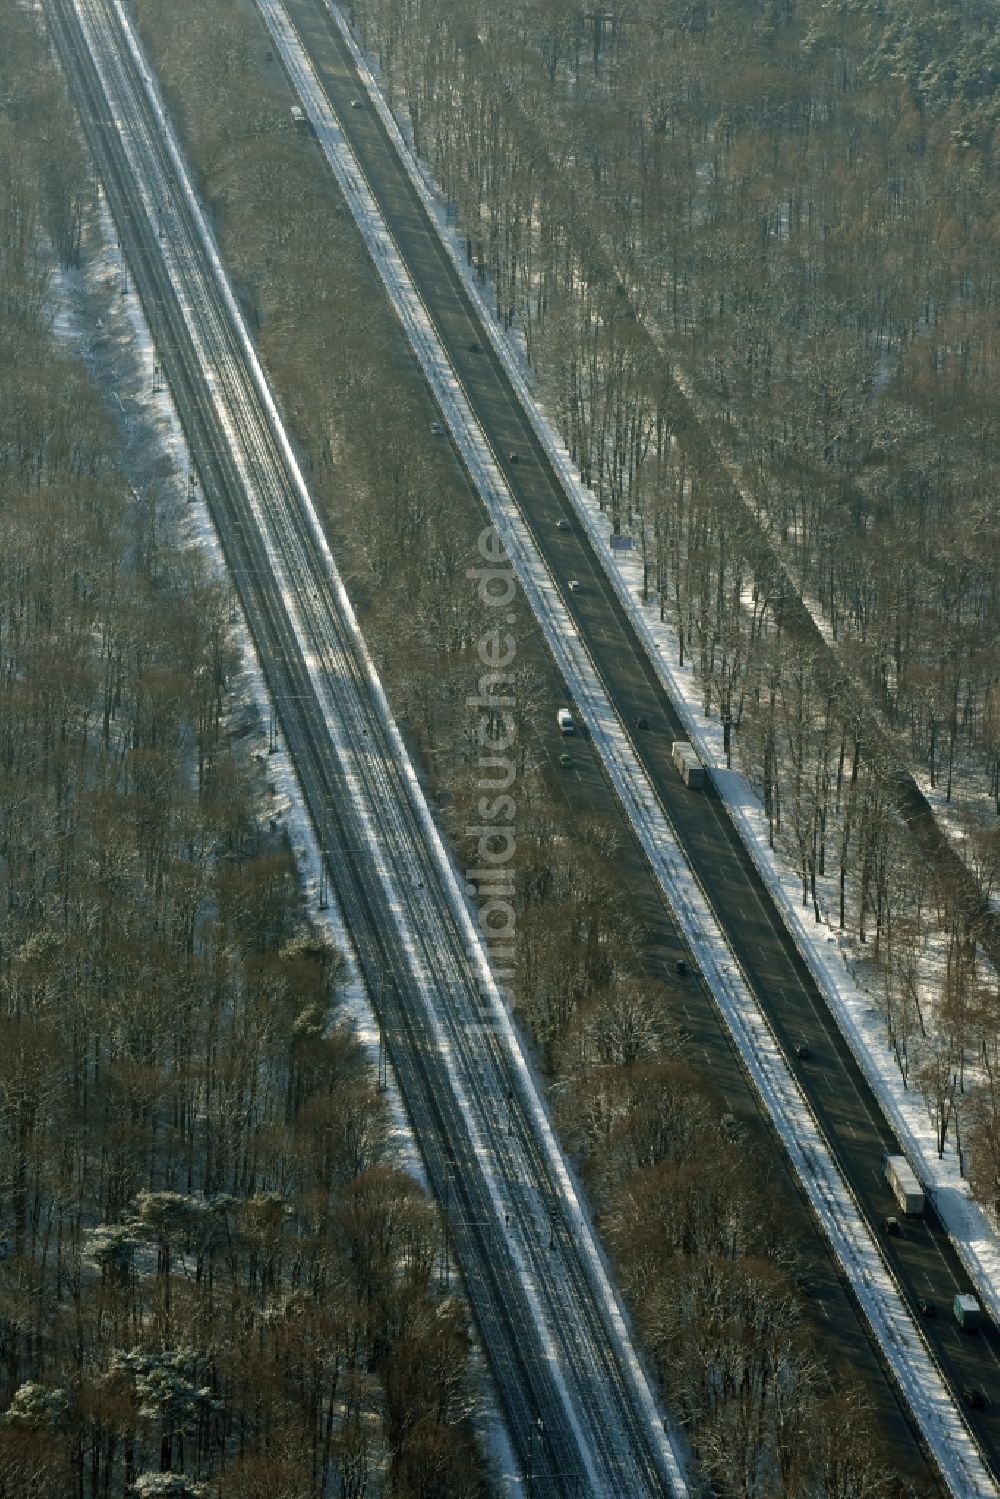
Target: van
<point>564,719</point>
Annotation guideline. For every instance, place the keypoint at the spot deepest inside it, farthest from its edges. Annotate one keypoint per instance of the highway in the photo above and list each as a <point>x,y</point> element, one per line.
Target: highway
<point>922,1259</point>
<point>579,1412</point>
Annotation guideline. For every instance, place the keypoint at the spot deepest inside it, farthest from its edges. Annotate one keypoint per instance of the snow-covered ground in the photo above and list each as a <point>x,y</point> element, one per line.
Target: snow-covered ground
<point>833,958</point>
<point>901,1340</point>
<point>969,813</point>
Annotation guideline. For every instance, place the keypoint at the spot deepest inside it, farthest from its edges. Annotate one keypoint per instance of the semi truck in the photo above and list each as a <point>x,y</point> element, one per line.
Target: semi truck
<point>686,762</point>
<point>905,1187</point>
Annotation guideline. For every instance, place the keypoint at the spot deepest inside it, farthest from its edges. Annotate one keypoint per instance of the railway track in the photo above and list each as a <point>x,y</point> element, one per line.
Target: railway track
<point>579,1412</point>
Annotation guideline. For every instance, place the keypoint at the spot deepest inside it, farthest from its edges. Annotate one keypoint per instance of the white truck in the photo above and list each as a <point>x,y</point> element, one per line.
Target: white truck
<point>905,1187</point>
<point>686,761</point>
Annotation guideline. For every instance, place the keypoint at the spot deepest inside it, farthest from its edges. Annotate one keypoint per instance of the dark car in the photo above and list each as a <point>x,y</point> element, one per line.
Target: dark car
<point>475,347</point>
<point>927,1308</point>
<point>681,968</point>
<point>802,1050</point>
<point>892,1227</point>
<point>642,722</point>
<point>512,458</point>
<point>974,1397</point>
<point>562,524</point>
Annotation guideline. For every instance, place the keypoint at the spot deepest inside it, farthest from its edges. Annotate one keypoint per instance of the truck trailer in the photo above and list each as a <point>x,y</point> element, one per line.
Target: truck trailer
<point>905,1187</point>
<point>686,761</point>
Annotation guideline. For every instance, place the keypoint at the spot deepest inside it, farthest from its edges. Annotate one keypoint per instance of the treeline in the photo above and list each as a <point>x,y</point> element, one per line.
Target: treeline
<point>213,1278</point>
<point>739,1357</point>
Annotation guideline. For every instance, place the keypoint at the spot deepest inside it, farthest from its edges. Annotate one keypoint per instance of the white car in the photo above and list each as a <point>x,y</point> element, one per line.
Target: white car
<point>574,585</point>
<point>564,719</point>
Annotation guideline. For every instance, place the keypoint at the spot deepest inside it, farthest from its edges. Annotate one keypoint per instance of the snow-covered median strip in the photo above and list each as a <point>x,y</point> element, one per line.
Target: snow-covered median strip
<point>974,1237</point>
<point>940,1421</point>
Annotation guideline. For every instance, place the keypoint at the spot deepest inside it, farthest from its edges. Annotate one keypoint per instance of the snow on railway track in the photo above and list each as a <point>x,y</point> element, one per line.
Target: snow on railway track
<point>561,1350</point>
<point>902,1343</point>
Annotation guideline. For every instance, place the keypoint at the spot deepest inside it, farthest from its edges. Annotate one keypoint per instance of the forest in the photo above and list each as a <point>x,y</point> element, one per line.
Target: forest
<point>772,224</point>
